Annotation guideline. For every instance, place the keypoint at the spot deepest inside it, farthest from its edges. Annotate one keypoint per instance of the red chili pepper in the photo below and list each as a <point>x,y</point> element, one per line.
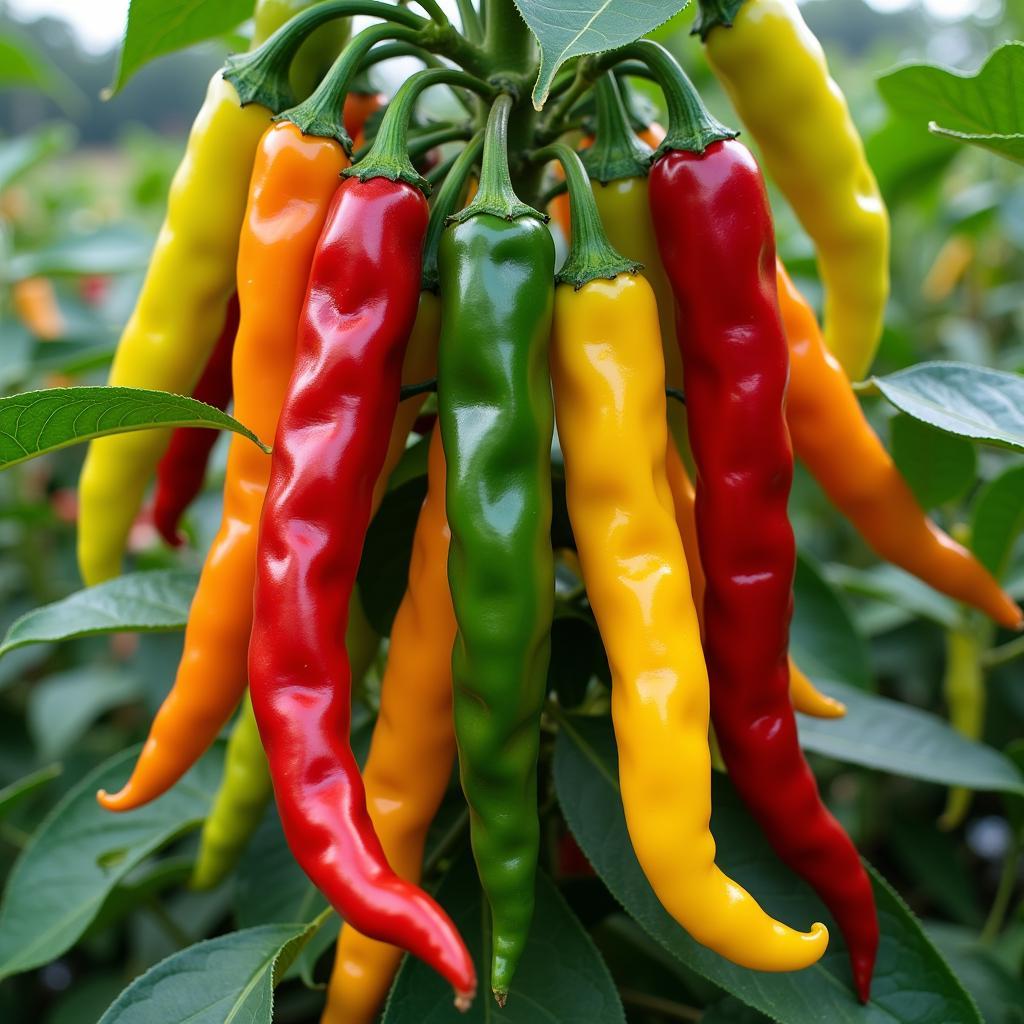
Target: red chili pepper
<point>331,441</point>
<point>714,227</point>
<point>181,470</point>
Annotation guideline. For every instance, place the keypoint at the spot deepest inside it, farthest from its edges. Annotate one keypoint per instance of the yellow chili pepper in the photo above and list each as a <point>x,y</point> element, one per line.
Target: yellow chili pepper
<point>608,374</point>
<point>805,696</point>
<point>775,72</point>
<point>177,318</point>
<point>413,747</point>
<point>965,698</point>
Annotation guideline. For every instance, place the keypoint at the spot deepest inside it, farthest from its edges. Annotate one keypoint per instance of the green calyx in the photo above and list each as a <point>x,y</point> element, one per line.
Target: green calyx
<point>712,13</point>
<point>691,127</point>
<point>389,155</point>
<point>591,255</point>
<point>617,153</point>
<point>495,194</point>
<point>261,76</point>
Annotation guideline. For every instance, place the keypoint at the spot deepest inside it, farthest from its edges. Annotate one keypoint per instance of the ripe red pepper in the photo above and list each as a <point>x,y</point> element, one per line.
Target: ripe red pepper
<point>714,227</point>
<point>181,470</point>
<point>331,441</point>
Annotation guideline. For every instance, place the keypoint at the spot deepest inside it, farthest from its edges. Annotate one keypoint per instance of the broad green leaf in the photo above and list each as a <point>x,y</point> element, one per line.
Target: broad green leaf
<point>969,401</point>
<point>997,518</point>
<point>588,26</point>
<point>823,638</point>
<point>80,852</point>
<point>939,467</point>
<point>911,982</point>
<point>63,706</point>
<point>229,978</point>
<point>113,250</point>
<point>23,66</point>
<point>982,108</point>
<point>12,795</point>
<point>560,980</point>
<point>156,27</point>
<point>38,422</point>
<point>903,592</point>
<point>140,602</point>
<point>890,736</point>
<point>23,152</point>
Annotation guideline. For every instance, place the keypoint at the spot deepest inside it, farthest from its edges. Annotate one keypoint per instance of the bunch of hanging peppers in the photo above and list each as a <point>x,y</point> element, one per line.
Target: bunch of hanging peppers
<point>327,288</point>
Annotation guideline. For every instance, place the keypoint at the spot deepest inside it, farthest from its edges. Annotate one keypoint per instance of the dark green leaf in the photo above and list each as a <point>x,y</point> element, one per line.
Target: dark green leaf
<point>911,983</point>
<point>112,250</point>
<point>229,978</point>
<point>156,27</point>
<point>969,401</point>
<point>997,518</point>
<point>577,656</point>
<point>561,979</point>
<point>23,152</point>
<point>141,602</point>
<point>892,585</point>
<point>38,422</point>
<point>939,467</point>
<point>80,852</point>
<point>982,108</point>
<point>588,26</point>
<point>823,638</point>
<point>12,795</point>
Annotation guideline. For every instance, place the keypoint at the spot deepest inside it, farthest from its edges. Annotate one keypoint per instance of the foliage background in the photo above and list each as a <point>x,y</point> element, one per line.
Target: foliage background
<point>85,212</point>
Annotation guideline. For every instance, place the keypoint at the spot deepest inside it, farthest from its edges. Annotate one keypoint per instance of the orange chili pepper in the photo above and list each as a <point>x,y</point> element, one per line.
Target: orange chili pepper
<point>35,302</point>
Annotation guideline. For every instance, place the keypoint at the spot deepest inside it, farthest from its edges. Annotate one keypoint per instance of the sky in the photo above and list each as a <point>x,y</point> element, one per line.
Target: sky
<point>99,23</point>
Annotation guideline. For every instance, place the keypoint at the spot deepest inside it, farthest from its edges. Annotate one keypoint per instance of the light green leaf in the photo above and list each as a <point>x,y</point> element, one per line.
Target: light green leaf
<point>12,795</point>
<point>22,66</point>
<point>156,27</point>
<point>997,518</point>
<point>939,467</point>
<point>38,422</point>
<point>588,26</point>
<point>23,152</point>
<point>890,736</point>
<point>982,108</point>
<point>112,250</point>
<point>141,602</point>
<point>80,852</point>
<point>969,401</point>
<point>229,978</point>
<point>906,595</point>
<point>911,981</point>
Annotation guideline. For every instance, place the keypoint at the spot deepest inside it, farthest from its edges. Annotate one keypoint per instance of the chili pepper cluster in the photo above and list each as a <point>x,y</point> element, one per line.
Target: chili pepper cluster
<point>313,289</point>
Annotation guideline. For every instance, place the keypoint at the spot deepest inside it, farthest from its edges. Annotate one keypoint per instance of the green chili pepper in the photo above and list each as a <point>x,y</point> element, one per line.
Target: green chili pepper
<point>494,400</point>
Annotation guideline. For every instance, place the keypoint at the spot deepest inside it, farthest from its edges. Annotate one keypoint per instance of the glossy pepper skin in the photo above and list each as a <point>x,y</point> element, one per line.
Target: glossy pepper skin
<point>293,182</point>
<point>494,404</point>
<point>775,72</point>
<point>608,374</point>
<point>330,446</point>
<point>177,318</point>
<point>413,747</point>
<point>714,229</point>
<point>238,807</point>
<point>824,418</point>
<point>181,470</point>
<point>803,693</point>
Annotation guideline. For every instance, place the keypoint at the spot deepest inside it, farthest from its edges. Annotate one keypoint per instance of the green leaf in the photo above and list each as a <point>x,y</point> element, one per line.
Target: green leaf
<point>38,422</point>
<point>12,795</point>
<point>588,26</point>
<point>561,978</point>
<point>23,152</point>
<point>905,593</point>
<point>982,108</point>
<point>823,638</point>
<point>997,518</point>
<point>63,706</point>
<point>80,852</point>
<point>890,736</point>
<point>156,27</point>
<point>23,66</point>
<point>229,978</point>
<point>113,250</point>
<point>912,982</point>
<point>140,602</point>
<point>939,467</point>
<point>969,401</point>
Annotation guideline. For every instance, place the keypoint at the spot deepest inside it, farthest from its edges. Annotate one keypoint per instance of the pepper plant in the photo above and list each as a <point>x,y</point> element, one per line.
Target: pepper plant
<point>503,621</point>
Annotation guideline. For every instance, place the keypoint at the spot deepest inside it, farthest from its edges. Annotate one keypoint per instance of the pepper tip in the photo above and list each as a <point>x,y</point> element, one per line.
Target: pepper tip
<point>114,801</point>
<point>500,996</point>
<point>464,999</point>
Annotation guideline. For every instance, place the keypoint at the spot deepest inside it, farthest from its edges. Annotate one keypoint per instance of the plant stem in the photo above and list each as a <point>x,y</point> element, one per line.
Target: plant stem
<point>711,13</point>
<point>472,26</point>
<point>434,10</point>
<point>617,153</point>
<point>1004,892</point>
<point>388,51</point>
<point>1003,654</point>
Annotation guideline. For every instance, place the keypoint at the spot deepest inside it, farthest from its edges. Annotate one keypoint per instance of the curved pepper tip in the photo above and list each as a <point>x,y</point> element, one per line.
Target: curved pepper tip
<point>119,801</point>
<point>863,968</point>
<point>464,999</point>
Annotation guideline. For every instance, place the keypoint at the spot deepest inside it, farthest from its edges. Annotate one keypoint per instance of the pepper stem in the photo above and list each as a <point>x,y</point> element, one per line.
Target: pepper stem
<point>691,126</point>
<point>591,255</point>
<point>711,13</point>
<point>496,195</point>
<point>617,152</point>
<point>443,207</point>
<point>261,76</point>
<point>389,156</point>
